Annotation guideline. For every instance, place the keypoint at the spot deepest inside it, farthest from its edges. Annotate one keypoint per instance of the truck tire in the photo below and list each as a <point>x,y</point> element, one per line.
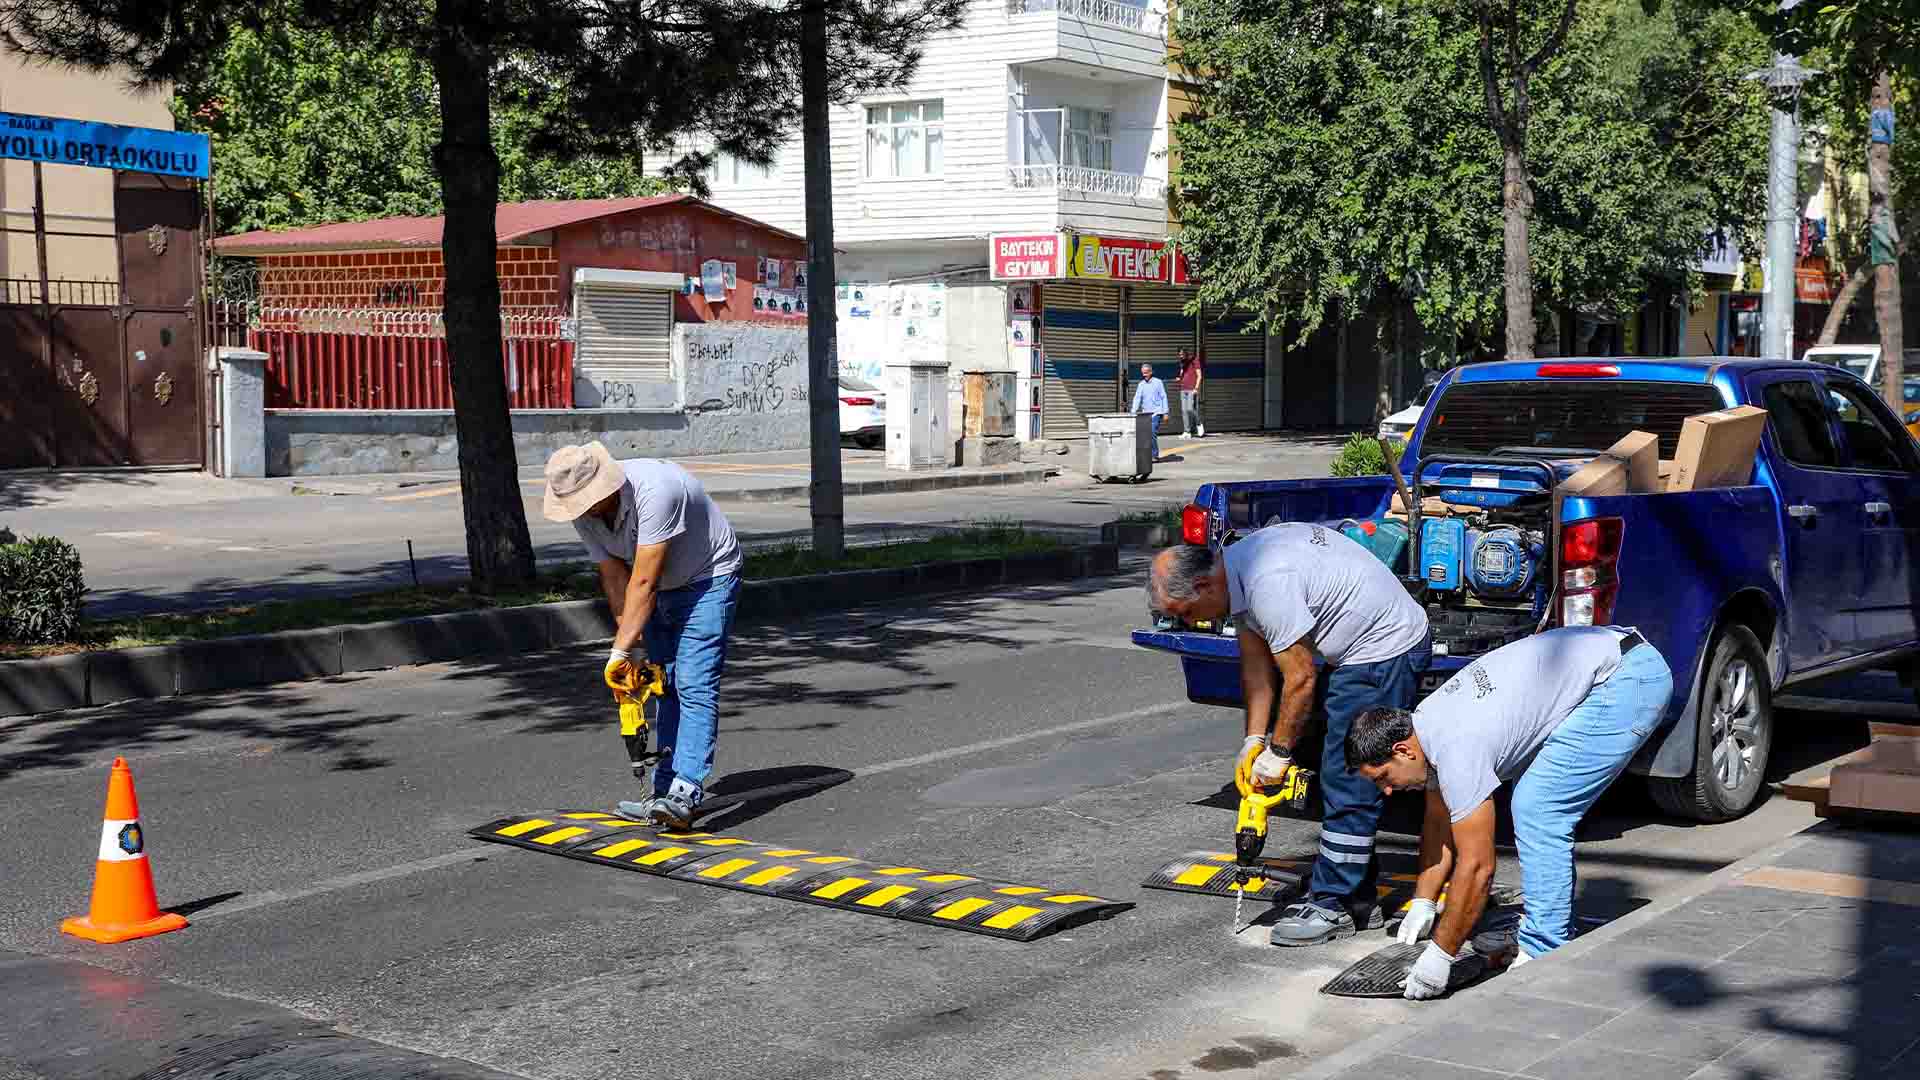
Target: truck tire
<point>1735,734</point>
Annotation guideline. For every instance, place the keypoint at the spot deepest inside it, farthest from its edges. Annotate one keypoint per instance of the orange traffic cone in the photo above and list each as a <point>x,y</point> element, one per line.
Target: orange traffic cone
<point>124,907</point>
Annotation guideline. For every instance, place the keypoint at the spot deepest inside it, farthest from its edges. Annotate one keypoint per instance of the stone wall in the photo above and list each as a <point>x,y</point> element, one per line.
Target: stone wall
<point>742,387</point>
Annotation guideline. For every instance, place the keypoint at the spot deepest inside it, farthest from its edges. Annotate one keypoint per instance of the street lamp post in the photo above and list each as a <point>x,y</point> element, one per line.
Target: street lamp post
<point>1784,78</point>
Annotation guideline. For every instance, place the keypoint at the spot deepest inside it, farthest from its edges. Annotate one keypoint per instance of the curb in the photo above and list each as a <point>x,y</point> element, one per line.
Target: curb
<point>79,680</point>
<point>1451,1008</point>
<point>890,486</point>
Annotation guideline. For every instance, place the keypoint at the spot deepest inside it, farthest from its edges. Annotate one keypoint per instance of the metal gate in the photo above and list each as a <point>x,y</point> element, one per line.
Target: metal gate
<point>1080,335</point>
<point>97,373</point>
<point>1157,329</point>
<point>1235,394</point>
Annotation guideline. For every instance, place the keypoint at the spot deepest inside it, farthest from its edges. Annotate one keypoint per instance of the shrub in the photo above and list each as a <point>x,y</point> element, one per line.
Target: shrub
<point>1361,457</point>
<point>40,591</point>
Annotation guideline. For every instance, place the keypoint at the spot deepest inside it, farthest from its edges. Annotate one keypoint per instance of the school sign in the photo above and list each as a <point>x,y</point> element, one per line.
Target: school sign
<point>104,146</point>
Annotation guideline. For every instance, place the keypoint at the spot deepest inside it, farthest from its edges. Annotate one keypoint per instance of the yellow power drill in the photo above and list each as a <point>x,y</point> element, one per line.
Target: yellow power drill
<point>638,699</point>
<point>1250,830</point>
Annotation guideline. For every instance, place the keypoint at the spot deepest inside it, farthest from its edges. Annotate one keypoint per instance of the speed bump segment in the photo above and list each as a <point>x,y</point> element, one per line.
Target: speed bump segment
<point>1211,873</point>
<point>931,896</point>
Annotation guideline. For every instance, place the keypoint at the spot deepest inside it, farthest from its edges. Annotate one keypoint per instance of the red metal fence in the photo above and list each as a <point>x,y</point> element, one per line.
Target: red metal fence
<point>343,370</point>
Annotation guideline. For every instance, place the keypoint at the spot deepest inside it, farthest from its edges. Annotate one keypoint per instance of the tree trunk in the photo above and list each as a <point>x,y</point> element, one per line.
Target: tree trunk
<point>499,550</point>
<point>1516,205</point>
<point>825,493</point>
<point>1885,248</point>
<point>1842,303</point>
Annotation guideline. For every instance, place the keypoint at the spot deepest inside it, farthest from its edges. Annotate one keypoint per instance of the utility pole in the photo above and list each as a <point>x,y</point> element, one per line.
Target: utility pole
<point>1783,203</point>
<point>826,494</point>
<point>1884,244</point>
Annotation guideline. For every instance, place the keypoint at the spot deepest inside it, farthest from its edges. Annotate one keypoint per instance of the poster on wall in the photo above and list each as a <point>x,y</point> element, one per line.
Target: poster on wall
<point>861,330</point>
<point>713,280</point>
<point>760,299</point>
<point>1020,297</point>
<point>732,274</point>
<point>1020,333</point>
<point>799,275</point>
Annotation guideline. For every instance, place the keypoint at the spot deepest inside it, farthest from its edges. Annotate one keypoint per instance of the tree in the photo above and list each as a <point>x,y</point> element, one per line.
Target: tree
<point>608,77</point>
<point>1340,154</point>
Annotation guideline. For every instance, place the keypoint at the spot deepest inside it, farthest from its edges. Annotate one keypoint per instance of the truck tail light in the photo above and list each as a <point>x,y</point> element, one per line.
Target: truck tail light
<point>1578,371</point>
<point>1195,523</point>
<point>1589,571</point>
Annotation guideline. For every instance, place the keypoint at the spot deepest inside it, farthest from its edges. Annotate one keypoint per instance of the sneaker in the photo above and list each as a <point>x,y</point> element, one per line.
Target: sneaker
<point>670,811</point>
<point>1311,924</point>
<point>637,810</point>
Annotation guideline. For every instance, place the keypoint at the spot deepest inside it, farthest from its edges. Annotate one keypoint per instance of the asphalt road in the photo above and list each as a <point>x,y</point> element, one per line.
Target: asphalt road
<point>316,833</point>
<point>158,541</point>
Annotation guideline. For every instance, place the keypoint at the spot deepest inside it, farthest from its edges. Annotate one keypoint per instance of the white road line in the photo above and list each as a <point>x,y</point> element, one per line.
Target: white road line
<point>251,901</point>
<point>1015,740</point>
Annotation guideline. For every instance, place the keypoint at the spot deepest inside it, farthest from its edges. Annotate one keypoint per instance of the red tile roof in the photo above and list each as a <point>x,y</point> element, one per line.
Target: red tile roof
<point>512,221</point>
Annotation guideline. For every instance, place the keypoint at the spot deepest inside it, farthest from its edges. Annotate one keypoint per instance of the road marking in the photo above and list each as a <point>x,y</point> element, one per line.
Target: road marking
<point>1014,740</point>
<point>344,881</point>
<point>1821,883</point>
<point>137,534</point>
<point>1170,451</point>
<point>424,493</point>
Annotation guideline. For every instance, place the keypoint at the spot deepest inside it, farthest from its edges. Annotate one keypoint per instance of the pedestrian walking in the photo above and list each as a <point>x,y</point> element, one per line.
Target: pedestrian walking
<point>669,564</point>
<point>1558,715</point>
<point>1299,593</point>
<point>1193,372</point>
<point>1151,397</point>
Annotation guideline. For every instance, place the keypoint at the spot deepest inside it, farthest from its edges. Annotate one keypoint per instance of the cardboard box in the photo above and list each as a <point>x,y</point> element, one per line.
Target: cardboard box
<point>1603,475</point>
<point>1717,449</point>
<point>1630,466</point>
<point>1430,506</point>
<point>1885,779</point>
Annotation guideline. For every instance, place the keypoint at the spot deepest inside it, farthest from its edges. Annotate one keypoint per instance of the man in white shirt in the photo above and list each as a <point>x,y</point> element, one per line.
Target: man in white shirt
<point>1301,593</point>
<point>669,565</point>
<point>1558,715</point>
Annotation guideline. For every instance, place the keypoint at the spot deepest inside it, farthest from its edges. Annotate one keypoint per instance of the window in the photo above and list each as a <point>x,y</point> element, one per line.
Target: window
<point>728,171</point>
<point>1090,139</point>
<point>1586,416</point>
<point>905,139</point>
<point>1873,443</point>
<point>1799,420</point>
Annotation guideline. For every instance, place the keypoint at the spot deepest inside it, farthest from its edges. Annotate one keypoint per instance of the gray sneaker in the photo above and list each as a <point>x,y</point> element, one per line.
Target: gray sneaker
<point>670,811</point>
<point>1311,924</point>
<point>637,810</point>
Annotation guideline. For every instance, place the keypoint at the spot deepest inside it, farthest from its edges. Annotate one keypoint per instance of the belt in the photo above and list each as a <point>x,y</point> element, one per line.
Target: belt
<point>1631,642</point>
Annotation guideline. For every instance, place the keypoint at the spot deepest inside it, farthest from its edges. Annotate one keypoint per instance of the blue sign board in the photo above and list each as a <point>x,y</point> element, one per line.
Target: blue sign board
<point>104,146</point>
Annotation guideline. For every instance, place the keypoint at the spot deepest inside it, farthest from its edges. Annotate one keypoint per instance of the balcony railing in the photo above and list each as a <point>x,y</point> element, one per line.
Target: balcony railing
<point>1136,17</point>
<point>1080,178</point>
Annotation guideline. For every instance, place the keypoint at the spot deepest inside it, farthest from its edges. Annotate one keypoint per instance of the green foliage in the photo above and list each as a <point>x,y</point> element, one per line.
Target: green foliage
<point>308,130</point>
<point>1340,152</point>
<point>1360,456</point>
<point>40,590</point>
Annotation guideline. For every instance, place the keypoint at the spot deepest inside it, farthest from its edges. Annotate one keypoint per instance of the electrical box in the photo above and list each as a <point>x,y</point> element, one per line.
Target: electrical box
<point>917,435</point>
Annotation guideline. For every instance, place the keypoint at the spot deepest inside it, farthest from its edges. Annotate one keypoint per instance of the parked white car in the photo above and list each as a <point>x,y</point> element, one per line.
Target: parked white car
<point>1398,426</point>
<point>1862,360</point>
<point>863,412</point>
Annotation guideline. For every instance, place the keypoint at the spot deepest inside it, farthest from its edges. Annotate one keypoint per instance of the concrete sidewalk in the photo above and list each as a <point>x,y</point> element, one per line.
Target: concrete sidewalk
<point>1802,962</point>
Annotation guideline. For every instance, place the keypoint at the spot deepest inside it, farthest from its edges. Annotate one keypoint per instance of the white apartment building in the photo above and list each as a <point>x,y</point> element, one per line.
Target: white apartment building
<point>1038,119</point>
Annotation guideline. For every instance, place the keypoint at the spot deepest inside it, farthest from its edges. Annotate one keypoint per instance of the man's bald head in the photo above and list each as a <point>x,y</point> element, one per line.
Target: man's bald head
<point>1188,581</point>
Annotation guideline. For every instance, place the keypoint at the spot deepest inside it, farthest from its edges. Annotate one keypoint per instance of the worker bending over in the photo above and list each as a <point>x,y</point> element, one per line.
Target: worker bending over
<point>1298,592</point>
<point>669,564</point>
<point>1558,715</point>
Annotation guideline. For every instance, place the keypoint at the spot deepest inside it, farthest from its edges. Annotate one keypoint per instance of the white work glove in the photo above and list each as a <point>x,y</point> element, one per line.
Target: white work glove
<point>1417,924</point>
<point>1270,768</point>
<point>621,673</point>
<point>1250,747</point>
<point>1430,974</point>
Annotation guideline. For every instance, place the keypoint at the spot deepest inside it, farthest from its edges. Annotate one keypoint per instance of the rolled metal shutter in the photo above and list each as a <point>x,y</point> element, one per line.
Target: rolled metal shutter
<point>1157,329</point>
<point>1234,395</point>
<point>626,340</point>
<point>1080,333</point>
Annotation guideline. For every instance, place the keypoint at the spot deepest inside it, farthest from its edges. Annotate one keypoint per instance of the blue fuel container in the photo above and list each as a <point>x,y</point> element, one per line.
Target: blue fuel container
<point>1385,537</point>
<point>1443,542</point>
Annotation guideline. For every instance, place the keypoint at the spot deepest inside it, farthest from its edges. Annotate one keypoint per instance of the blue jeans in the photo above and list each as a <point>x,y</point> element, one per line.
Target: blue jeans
<point>1157,418</point>
<point>688,633</point>
<point>1345,871</point>
<point>1577,762</point>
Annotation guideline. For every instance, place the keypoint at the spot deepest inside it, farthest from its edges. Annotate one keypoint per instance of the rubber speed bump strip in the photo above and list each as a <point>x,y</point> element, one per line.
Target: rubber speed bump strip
<point>1383,973</point>
<point>896,890</point>
<point>1211,873</point>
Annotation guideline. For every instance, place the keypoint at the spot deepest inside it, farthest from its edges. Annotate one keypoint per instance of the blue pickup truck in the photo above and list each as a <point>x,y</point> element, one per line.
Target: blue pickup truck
<point>1806,572</point>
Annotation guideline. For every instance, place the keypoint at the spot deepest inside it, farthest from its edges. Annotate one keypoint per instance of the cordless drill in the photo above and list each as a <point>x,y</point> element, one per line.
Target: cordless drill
<point>638,699</point>
<point>1250,831</point>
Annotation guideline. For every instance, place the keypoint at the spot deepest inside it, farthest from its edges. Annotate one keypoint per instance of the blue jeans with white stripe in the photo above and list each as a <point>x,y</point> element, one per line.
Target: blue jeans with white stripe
<point>1345,871</point>
<point>1577,763</point>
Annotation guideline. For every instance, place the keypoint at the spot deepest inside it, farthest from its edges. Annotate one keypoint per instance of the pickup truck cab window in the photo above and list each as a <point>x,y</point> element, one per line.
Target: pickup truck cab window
<point>1801,423</point>
<point>1874,443</point>
<point>1574,414</point>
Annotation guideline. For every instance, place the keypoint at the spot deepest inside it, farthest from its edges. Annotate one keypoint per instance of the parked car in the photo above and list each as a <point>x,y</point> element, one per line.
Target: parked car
<point>863,412</point>
<point>1808,571</point>
<point>1397,426</point>
<point>1862,360</point>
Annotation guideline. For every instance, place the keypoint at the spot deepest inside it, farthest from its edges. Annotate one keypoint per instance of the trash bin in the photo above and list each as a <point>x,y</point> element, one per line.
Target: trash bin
<point>1120,446</point>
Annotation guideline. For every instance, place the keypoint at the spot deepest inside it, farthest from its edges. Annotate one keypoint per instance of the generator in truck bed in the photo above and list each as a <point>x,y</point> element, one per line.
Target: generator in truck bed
<point>1799,568</point>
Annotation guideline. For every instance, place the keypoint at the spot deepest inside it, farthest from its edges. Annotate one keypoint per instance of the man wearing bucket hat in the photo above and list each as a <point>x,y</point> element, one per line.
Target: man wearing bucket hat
<point>670,566</point>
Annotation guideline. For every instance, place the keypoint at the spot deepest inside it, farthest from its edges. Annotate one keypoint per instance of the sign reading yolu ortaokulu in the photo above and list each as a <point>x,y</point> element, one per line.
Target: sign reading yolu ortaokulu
<point>95,145</point>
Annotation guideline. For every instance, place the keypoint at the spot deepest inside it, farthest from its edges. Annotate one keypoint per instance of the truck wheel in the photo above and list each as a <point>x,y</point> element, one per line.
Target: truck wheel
<point>1735,734</point>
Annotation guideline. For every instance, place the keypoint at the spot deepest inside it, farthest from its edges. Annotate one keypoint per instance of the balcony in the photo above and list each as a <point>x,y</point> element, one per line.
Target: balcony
<point>1140,18</point>
<point>1090,181</point>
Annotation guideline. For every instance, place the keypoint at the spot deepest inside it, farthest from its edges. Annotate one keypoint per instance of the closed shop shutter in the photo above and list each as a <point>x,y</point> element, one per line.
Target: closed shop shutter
<point>1157,329</point>
<point>1080,333</point>
<point>1235,392</point>
<point>625,354</point>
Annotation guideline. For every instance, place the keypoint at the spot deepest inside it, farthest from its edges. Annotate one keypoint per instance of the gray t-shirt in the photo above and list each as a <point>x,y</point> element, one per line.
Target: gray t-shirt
<point>1295,580</point>
<point>1483,726</point>
<point>662,502</point>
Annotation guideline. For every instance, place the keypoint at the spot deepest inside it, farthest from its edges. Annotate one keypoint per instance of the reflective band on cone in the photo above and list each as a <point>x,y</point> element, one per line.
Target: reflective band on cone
<point>124,906</point>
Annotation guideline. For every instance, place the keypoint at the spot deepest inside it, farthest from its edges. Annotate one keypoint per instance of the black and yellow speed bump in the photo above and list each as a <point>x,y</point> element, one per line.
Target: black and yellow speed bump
<point>1211,873</point>
<point>896,890</point>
